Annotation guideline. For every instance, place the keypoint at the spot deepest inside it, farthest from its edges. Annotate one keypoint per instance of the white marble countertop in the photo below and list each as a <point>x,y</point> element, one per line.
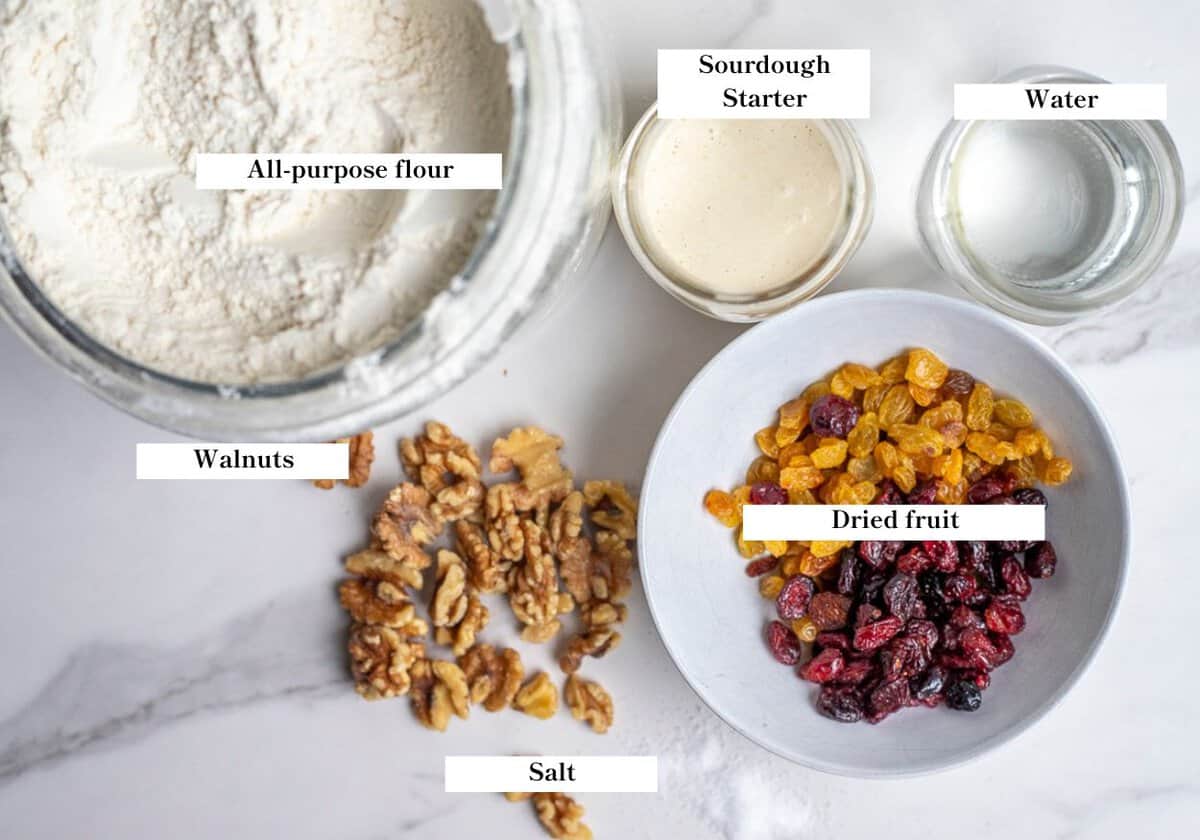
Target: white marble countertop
<point>172,653</point>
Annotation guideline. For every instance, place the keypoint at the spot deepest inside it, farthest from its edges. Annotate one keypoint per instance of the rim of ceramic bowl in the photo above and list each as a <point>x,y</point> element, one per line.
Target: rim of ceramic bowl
<point>952,306</point>
<point>859,213</point>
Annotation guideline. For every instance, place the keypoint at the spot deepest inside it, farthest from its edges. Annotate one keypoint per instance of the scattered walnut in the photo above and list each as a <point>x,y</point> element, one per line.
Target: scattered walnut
<point>539,633</point>
<point>362,453</point>
<point>449,468</point>
<point>561,816</point>
<point>612,507</point>
<point>449,603</point>
<point>379,565</point>
<point>404,524</point>
<point>439,689</point>
<point>379,660</point>
<point>505,536</point>
<point>597,614</point>
<point>575,562</point>
<point>493,677</point>
<point>517,796</point>
<point>589,702</point>
<point>567,520</point>
<point>534,453</point>
<point>612,567</point>
<point>593,643</point>
<point>487,569</point>
<point>381,602</point>
<point>461,637</point>
<point>533,585</point>
<point>538,697</point>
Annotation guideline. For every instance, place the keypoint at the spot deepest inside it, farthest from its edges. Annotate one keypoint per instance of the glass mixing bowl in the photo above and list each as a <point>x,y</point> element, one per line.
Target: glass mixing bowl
<point>547,222</point>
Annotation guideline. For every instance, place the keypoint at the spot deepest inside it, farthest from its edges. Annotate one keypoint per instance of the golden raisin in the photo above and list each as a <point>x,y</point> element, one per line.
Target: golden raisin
<point>979,408</point>
<point>805,629</point>
<point>765,438</point>
<point>804,477</point>
<point>831,453</point>
<point>1013,413</point>
<point>873,396</point>
<point>897,407</point>
<point>1056,471</point>
<point>748,548</point>
<point>793,414</point>
<point>860,377</point>
<point>840,387</point>
<point>863,437</point>
<point>769,586</point>
<point>721,505</point>
<point>925,369</point>
<point>776,548</point>
<point>892,371</point>
<point>917,440</point>
<point>864,469</point>
<point>826,548</point>
<point>922,396</point>
<point>762,469</point>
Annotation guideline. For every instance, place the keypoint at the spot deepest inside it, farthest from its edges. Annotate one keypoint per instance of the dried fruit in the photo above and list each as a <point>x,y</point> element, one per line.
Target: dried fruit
<point>842,703</point>
<point>925,369</point>
<point>1012,413</point>
<point>832,416</point>
<point>979,408</point>
<point>964,696</point>
<point>875,634</point>
<point>1003,615</point>
<point>794,597</point>
<point>1041,560</point>
<point>783,643</point>
<point>768,493</point>
<point>823,667</point>
<point>829,610</point>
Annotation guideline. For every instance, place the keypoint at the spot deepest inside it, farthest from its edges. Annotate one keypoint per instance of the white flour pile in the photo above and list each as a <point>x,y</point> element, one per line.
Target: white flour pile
<point>105,103</point>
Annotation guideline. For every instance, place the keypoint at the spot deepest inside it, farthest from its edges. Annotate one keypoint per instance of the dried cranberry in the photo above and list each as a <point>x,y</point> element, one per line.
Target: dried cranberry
<point>933,595</point>
<point>784,645</point>
<point>923,494</point>
<point>1015,545</point>
<point>944,554</point>
<point>960,587</point>
<point>856,671</point>
<point>929,684</point>
<point>878,553</point>
<point>793,599</point>
<point>900,595</point>
<point>914,561</point>
<point>848,573</point>
<point>1016,582</point>
<point>832,416</point>
<point>873,636</point>
<point>926,632</point>
<point>958,383</point>
<point>832,639</point>
<point>823,667</point>
<point>1004,648</point>
<point>829,610</point>
<point>978,647</point>
<point>904,656</point>
<point>889,494</point>
<point>872,588</point>
<point>767,493</point>
<point>985,489</point>
<point>963,695</point>
<point>1004,615</point>
<point>1041,561</point>
<point>887,697</point>
<point>842,703</point>
<point>973,555</point>
<point>759,567</point>
<point>1029,496</point>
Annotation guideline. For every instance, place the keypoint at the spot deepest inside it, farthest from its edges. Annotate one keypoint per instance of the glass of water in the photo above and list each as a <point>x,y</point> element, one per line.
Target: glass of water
<point>1050,220</point>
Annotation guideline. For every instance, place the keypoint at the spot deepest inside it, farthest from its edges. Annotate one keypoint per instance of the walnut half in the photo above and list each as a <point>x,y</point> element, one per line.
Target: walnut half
<point>538,697</point>
<point>561,816</point>
<point>439,690</point>
<point>379,660</point>
<point>589,702</point>
<point>362,454</point>
<point>493,677</point>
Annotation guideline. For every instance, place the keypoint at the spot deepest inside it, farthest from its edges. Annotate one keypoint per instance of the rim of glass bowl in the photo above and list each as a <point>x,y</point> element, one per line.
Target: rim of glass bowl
<point>860,209</point>
<point>1032,306</point>
<point>385,383</point>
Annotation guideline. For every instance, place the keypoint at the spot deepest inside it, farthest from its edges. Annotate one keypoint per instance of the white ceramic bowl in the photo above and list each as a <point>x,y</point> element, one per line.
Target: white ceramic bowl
<point>710,614</point>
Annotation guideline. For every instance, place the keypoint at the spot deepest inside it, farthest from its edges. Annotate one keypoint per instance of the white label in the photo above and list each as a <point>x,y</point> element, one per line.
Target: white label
<point>192,461</point>
<point>1015,101</point>
<point>764,84</point>
<point>894,522</point>
<point>349,172</point>
<point>544,773</point>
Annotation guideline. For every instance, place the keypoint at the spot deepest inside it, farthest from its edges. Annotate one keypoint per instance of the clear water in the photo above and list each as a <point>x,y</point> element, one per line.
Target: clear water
<point>1049,206</point>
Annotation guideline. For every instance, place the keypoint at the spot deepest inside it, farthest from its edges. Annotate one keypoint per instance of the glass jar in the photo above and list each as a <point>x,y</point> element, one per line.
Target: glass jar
<point>1047,220</point>
<point>547,223</point>
<point>853,222</point>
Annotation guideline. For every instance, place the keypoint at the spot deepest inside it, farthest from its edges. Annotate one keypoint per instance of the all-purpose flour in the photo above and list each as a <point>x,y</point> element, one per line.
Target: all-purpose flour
<point>104,105</point>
